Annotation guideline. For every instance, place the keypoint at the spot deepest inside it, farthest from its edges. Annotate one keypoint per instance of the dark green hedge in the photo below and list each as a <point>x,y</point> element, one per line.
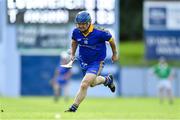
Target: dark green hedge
<point>131,20</point>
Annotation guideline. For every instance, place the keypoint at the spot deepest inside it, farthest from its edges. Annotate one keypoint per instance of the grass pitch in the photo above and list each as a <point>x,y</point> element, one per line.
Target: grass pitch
<point>43,108</point>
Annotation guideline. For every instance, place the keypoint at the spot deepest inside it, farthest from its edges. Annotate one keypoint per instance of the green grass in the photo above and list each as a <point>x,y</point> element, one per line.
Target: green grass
<point>132,54</point>
<point>43,108</point>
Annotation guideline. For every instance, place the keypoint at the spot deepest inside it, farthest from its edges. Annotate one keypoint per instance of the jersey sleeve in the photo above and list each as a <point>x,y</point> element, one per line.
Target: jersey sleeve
<point>73,36</point>
<point>106,35</point>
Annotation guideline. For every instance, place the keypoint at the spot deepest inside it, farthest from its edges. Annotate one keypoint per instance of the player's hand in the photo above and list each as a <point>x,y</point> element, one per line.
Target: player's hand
<point>114,58</point>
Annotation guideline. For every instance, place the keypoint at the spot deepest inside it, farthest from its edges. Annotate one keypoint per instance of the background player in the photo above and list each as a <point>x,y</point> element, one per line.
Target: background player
<point>60,80</point>
<point>164,74</point>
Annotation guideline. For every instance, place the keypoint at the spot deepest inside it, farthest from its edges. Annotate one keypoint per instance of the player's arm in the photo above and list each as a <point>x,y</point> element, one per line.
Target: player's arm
<point>74,45</point>
<point>114,50</point>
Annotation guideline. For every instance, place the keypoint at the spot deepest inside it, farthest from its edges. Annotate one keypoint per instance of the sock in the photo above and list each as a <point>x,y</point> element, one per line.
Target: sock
<point>107,81</point>
<point>74,107</point>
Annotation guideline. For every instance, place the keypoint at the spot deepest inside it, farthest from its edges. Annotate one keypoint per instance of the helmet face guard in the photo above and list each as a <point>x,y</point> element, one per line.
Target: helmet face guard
<point>83,17</point>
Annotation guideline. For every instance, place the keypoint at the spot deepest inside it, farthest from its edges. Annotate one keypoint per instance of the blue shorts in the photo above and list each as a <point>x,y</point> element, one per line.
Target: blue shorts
<point>62,82</point>
<point>94,67</point>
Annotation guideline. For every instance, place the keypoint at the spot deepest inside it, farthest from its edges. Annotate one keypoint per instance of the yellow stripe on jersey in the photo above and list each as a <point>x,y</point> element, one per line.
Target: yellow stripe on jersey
<point>110,40</point>
<point>89,30</point>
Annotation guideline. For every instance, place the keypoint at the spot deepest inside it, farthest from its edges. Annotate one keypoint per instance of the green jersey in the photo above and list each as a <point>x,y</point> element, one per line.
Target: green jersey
<point>162,71</point>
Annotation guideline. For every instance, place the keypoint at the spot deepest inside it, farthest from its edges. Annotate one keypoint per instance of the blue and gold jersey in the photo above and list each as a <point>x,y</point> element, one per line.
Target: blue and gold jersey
<point>92,46</point>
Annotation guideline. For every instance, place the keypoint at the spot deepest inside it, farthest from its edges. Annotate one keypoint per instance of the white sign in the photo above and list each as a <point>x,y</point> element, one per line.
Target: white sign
<point>160,15</point>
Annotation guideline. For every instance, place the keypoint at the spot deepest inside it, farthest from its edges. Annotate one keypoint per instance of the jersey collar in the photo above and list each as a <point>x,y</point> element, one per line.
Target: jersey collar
<point>90,29</point>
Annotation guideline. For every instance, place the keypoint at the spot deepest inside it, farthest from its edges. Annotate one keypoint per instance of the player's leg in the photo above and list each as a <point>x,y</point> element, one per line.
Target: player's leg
<point>86,82</point>
<point>56,89</point>
<point>66,92</point>
<point>161,91</point>
<point>170,96</point>
<point>99,79</point>
<point>161,94</point>
<point>106,80</point>
<point>169,92</point>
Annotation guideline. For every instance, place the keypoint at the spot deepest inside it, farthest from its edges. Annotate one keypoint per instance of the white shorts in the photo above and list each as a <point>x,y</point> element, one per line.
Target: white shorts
<point>164,84</point>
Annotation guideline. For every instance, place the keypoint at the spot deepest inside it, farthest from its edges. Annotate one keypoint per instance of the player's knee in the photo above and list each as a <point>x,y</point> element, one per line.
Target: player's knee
<point>84,85</point>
